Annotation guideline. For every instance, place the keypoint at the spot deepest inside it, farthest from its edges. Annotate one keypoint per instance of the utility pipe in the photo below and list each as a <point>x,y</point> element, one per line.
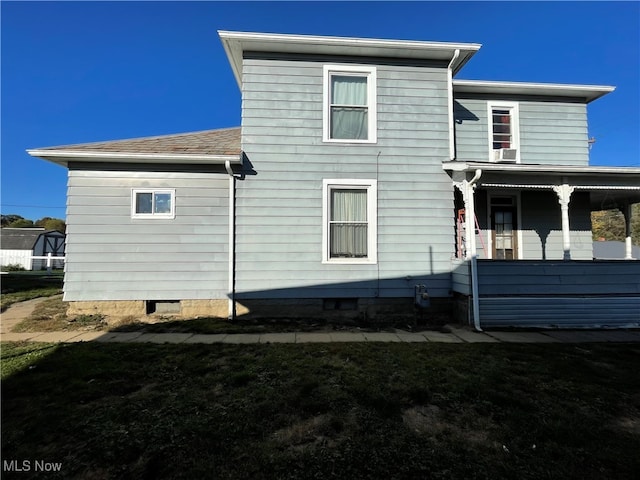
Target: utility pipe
<point>471,251</point>
<point>452,145</point>
<point>232,240</point>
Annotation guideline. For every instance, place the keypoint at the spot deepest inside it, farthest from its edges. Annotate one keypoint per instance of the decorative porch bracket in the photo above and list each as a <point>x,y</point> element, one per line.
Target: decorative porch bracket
<point>564,192</point>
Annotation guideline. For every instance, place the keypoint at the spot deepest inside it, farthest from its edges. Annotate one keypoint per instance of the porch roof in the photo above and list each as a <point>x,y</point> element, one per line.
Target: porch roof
<point>610,187</point>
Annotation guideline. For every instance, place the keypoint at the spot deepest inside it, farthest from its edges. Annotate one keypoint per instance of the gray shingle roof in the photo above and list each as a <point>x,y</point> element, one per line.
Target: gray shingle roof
<point>21,238</point>
<point>225,141</point>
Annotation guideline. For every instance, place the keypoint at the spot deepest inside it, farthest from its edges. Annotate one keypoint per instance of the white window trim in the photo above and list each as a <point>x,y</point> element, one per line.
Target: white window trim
<point>372,113</point>
<point>170,215</point>
<point>515,118</point>
<point>372,219</point>
<point>489,239</point>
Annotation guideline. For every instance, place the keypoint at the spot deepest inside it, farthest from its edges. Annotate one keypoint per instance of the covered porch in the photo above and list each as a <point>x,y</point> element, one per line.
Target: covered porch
<point>525,250</point>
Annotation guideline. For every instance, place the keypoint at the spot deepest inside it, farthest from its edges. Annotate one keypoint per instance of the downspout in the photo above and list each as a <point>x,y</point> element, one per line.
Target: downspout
<point>232,240</point>
<point>471,212</point>
<point>452,145</point>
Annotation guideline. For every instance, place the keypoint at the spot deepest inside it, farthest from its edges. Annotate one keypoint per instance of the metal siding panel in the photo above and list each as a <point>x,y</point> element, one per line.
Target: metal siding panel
<point>550,132</point>
<point>114,257</point>
<point>580,312</point>
<point>279,245</point>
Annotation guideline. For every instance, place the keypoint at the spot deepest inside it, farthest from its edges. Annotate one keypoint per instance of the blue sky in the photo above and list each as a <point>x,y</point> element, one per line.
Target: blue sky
<point>75,72</point>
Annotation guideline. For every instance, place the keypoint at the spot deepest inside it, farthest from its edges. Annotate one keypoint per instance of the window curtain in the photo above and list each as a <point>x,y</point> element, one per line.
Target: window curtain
<point>349,107</point>
<point>501,129</point>
<point>348,223</point>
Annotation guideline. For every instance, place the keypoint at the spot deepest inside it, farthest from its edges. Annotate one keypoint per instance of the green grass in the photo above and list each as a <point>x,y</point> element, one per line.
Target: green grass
<point>21,286</point>
<point>350,411</point>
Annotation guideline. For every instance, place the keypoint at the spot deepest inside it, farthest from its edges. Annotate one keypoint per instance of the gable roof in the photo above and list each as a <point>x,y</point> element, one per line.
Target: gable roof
<point>207,146</point>
<point>22,238</point>
<point>236,43</point>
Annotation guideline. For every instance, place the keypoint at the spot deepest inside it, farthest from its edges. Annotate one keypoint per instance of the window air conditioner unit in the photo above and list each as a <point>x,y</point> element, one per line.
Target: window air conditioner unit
<point>505,154</point>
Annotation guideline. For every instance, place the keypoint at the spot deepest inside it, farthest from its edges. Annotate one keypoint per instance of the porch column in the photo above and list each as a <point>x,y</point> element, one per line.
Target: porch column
<point>467,187</point>
<point>564,192</point>
<point>626,211</point>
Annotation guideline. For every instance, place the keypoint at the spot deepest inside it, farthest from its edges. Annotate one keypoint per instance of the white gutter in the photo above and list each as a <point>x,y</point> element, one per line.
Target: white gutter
<point>452,145</point>
<point>232,241</point>
<point>156,157</point>
<point>472,251</point>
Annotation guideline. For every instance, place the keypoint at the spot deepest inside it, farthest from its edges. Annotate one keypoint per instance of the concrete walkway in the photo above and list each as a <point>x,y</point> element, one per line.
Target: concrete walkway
<point>17,312</point>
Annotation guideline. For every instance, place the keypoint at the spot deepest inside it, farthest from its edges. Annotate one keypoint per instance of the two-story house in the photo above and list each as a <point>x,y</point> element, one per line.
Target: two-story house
<point>363,180</point>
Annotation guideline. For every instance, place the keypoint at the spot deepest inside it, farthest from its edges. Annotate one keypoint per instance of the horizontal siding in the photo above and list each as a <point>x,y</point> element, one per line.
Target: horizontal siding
<point>461,276</point>
<point>111,256</point>
<point>559,294</point>
<point>554,312</point>
<point>550,132</point>
<point>279,208</point>
<point>559,278</point>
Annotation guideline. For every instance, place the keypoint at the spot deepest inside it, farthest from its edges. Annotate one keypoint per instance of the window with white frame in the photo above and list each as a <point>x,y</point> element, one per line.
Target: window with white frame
<point>149,203</point>
<point>349,94</point>
<point>349,221</point>
<point>504,131</point>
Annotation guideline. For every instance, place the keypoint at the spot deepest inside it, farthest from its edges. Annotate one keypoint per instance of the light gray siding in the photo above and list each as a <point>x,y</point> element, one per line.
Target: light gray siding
<point>279,203</point>
<point>111,256</point>
<point>551,132</point>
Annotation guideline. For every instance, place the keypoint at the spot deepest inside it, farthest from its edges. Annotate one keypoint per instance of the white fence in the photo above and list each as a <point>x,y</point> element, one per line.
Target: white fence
<point>26,260</point>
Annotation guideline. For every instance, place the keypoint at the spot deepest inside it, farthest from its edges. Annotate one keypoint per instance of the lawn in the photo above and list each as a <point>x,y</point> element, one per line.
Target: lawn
<point>21,286</point>
<point>350,411</point>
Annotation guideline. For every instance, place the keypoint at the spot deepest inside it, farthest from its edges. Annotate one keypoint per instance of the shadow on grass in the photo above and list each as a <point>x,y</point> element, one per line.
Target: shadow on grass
<point>21,286</point>
<point>323,411</point>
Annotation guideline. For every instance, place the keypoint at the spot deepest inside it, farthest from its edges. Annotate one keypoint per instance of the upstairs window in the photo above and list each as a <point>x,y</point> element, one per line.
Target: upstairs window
<point>349,221</point>
<point>504,135</point>
<point>349,104</point>
<point>152,203</point>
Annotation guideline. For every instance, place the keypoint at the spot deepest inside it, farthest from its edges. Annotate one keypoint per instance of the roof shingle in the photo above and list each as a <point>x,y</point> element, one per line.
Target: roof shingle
<point>225,141</point>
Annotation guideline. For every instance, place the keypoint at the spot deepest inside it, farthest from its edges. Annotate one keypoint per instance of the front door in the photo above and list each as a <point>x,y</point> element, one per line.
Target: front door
<point>504,228</point>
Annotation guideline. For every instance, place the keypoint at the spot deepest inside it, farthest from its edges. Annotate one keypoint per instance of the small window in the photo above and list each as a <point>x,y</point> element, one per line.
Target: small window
<point>504,131</point>
<point>153,203</point>
<point>349,104</point>
<point>349,215</point>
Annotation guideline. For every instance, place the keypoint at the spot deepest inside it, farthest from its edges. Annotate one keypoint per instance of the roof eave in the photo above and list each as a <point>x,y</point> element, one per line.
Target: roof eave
<point>63,157</point>
<point>587,92</point>
<point>235,43</point>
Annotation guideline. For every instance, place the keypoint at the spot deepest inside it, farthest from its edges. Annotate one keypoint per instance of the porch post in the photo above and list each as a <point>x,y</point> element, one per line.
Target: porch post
<point>564,192</point>
<point>626,211</point>
<point>467,187</point>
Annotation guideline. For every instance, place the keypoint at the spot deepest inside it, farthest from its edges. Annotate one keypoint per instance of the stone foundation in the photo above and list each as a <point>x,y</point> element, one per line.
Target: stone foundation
<point>115,310</point>
<point>362,310</point>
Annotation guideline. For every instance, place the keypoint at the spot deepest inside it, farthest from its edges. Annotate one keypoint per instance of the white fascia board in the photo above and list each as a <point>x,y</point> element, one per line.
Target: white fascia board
<point>524,169</point>
<point>588,92</point>
<point>62,157</point>
<point>237,42</point>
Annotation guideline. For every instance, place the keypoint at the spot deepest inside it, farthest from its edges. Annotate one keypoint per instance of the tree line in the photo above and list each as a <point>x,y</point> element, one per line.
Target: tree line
<point>48,223</point>
<point>610,225</point>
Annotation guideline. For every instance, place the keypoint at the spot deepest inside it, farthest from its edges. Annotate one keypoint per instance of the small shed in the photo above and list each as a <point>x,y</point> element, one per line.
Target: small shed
<point>19,245</point>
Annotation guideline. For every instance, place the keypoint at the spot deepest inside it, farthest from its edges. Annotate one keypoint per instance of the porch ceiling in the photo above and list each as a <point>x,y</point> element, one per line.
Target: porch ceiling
<point>610,187</point>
